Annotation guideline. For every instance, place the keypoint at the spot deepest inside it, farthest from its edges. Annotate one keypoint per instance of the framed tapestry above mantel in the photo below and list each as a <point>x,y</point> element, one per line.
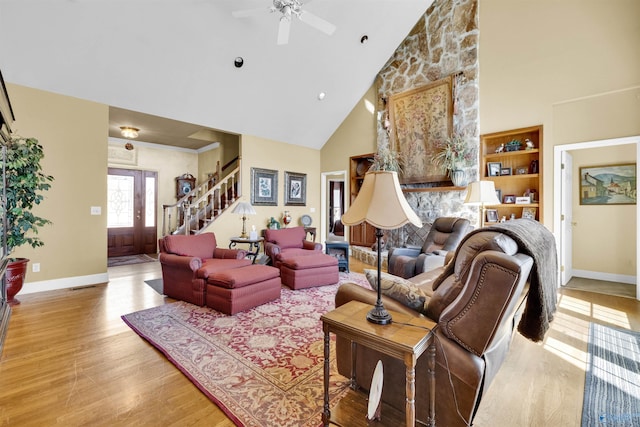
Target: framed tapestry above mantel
<point>420,118</point>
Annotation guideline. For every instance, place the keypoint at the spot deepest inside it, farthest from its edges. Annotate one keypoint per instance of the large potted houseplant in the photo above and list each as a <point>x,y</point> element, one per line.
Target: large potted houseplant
<point>25,183</point>
<point>454,155</point>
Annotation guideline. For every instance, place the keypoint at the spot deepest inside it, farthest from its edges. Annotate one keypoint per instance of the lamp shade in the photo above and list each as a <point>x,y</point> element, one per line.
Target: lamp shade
<point>381,203</point>
<point>481,193</point>
<point>244,208</point>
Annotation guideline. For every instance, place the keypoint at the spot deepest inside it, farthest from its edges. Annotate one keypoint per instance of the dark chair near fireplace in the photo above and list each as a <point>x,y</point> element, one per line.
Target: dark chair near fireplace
<point>444,236</point>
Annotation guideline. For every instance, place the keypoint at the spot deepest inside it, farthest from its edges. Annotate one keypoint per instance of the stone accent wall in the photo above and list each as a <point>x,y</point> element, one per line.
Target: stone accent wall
<point>444,42</point>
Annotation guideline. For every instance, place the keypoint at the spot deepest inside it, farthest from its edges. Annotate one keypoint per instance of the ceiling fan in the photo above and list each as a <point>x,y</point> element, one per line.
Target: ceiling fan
<point>289,8</point>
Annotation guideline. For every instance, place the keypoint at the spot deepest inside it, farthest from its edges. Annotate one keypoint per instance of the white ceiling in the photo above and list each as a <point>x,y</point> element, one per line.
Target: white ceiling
<point>175,59</point>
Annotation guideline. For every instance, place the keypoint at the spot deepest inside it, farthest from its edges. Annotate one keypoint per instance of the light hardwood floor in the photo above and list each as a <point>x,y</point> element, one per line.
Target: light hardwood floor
<point>70,360</point>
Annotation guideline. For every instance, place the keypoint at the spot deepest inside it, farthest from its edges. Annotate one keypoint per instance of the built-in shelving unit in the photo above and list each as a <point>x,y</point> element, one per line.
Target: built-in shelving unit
<point>362,234</point>
<point>6,120</point>
<point>519,171</point>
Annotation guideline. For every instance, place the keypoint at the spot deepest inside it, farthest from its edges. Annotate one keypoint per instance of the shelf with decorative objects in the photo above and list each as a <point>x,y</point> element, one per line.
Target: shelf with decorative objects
<point>513,161</point>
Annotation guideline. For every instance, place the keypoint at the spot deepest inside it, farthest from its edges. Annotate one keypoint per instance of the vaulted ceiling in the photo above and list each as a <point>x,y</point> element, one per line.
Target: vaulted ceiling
<point>152,60</point>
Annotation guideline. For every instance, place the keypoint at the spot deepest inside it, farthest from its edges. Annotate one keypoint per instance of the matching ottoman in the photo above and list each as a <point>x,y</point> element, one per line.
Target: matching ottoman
<point>309,270</point>
<point>239,289</point>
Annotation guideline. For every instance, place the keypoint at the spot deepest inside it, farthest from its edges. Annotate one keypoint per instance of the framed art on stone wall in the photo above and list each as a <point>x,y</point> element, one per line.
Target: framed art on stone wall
<point>420,119</point>
<point>264,187</point>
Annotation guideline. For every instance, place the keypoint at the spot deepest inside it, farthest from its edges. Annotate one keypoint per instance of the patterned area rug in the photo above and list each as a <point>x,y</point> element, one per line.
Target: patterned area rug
<point>612,383</point>
<point>129,259</point>
<point>262,367</point>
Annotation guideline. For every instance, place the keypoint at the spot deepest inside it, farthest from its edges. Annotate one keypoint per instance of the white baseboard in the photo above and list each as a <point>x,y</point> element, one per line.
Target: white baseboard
<point>67,282</point>
<point>609,277</point>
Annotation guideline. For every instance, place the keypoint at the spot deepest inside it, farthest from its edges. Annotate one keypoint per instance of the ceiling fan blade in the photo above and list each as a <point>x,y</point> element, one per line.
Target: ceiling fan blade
<point>248,12</point>
<point>283,30</point>
<point>316,22</point>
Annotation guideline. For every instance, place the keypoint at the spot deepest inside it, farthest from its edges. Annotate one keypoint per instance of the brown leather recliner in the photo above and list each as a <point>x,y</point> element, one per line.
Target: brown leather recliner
<point>475,301</point>
<point>188,260</point>
<point>444,236</point>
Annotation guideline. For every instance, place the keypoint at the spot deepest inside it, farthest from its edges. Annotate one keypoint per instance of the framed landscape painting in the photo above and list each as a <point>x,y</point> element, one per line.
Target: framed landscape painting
<point>608,185</point>
<point>264,187</point>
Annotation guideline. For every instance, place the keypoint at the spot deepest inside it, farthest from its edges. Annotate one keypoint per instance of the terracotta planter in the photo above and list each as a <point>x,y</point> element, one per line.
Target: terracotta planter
<point>16,270</point>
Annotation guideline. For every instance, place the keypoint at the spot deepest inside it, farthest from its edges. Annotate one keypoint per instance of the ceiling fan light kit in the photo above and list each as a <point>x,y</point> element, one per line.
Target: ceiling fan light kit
<point>288,8</point>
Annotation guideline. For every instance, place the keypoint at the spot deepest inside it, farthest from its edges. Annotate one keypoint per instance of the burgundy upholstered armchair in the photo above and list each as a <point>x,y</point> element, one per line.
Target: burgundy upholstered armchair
<point>288,242</point>
<point>444,236</point>
<point>188,260</point>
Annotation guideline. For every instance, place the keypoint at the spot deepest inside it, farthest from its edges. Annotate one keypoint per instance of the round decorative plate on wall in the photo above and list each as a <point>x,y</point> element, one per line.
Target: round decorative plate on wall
<point>305,220</point>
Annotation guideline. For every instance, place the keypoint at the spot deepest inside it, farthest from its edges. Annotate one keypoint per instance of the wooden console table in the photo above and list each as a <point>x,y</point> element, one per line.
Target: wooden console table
<point>406,338</point>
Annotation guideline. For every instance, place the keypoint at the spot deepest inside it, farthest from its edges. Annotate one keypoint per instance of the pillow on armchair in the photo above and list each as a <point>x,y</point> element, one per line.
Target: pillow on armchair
<point>399,289</point>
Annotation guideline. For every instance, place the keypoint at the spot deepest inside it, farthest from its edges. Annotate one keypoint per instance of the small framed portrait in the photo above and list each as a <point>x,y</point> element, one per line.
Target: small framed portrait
<point>492,215</point>
<point>529,213</point>
<point>499,195</point>
<point>522,170</point>
<point>494,168</point>
<point>505,171</point>
<point>509,198</point>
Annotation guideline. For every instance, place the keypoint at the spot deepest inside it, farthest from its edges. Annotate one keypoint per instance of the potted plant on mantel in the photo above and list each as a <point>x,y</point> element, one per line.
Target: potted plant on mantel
<point>25,182</point>
<point>455,154</point>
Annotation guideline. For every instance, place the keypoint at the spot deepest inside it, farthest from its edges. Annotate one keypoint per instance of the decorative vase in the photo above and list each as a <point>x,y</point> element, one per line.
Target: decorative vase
<point>286,218</point>
<point>459,178</point>
<point>16,270</point>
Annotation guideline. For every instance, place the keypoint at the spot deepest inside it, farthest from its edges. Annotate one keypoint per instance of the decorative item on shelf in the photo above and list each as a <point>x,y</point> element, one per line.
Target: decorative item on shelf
<point>532,194</point>
<point>380,203</point>
<point>306,220</point>
<point>455,154</point>
<point>533,167</point>
<point>500,148</point>
<point>244,209</point>
<point>482,193</point>
<point>286,219</point>
<point>273,224</point>
<point>509,199</point>
<point>523,200</point>
<point>25,182</point>
<point>386,160</point>
<point>522,170</point>
<point>528,144</point>
<point>513,145</point>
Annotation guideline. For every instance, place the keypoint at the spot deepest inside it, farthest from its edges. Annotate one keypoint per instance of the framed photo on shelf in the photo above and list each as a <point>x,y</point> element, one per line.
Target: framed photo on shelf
<point>494,168</point>
<point>492,215</point>
<point>522,170</point>
<point>523,200</point>
<point>509,199</point>
<point>295,189</point>
<point>505,171</point>
<point>499,195</point>
<point>529,213</point>
<point>264,187</point>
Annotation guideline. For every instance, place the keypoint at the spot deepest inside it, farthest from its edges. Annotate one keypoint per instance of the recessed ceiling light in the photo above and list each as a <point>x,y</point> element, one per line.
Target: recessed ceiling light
<point>238,62</point>
<point>364,39</point>
<point>129,132</point>
<point>321,96</point>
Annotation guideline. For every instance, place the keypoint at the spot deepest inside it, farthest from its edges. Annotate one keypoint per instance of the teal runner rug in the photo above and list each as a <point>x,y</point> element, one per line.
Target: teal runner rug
<point>612,383</point>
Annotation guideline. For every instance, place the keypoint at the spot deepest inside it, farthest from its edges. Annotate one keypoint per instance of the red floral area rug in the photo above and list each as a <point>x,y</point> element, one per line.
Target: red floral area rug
<point>262,367</point>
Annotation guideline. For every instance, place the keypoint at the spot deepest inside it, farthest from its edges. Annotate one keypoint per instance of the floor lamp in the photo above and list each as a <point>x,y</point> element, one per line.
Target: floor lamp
<point>481,193</point>
<point>244,209</point>
<point>380,203</point>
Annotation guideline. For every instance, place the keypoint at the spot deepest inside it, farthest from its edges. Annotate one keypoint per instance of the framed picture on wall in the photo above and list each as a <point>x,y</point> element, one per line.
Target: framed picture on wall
<point>608,184</point>
<point>295,189</point>
<point>264,187</point>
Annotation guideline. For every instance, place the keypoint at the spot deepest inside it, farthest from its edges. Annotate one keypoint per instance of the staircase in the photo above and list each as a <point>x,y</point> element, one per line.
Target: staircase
<point>194,212</point>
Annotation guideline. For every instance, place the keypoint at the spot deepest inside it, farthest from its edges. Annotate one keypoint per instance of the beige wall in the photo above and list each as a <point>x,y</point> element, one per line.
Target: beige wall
<point>356,135</point>
<point>604,235</point>
<point>207,162</point>
<point>578,75</point>
<point>268,154</point>
<point>73,133</point>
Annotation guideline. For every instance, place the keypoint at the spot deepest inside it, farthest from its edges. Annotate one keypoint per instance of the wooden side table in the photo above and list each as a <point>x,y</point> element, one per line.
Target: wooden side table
<point>406,338</point>
<point>254,245</point>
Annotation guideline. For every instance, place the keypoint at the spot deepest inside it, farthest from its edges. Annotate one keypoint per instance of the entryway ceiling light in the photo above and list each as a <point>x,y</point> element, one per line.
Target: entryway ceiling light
<point>129,132</point>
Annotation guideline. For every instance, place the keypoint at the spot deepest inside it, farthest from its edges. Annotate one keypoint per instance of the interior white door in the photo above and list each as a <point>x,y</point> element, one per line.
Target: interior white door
<point>566,218</point>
